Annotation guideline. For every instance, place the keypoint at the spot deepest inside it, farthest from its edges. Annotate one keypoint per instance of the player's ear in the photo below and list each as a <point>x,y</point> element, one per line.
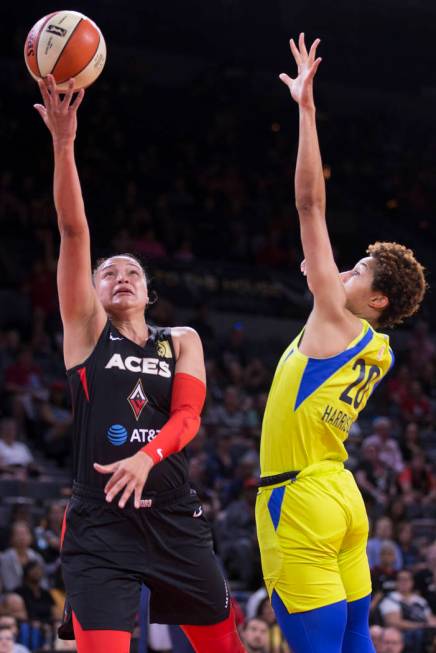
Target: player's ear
<point>379,302</point>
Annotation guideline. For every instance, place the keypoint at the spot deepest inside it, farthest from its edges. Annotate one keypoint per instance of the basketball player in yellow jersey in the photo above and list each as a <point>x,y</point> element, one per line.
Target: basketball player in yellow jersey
<point>311,520</point>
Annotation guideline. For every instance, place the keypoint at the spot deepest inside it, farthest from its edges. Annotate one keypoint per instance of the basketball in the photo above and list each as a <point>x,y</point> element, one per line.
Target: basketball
<point>65,44</point>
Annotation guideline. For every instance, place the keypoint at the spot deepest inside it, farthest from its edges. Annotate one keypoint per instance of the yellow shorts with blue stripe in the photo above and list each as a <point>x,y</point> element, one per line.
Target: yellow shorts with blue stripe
<point>312,535</point>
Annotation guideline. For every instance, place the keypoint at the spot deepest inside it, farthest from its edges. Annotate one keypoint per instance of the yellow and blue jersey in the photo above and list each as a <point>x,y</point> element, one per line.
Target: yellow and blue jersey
<point>313,402</point>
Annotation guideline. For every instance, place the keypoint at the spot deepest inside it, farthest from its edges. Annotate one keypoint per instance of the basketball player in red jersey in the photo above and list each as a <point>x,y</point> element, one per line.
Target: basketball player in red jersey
<point>138,392</point>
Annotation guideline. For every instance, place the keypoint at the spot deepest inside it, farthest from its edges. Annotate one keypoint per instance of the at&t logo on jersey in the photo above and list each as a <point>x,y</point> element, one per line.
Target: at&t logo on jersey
<point>117,435</point>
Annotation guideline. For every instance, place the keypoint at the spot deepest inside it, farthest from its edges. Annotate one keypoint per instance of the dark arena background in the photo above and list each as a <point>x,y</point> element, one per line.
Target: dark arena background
<point>186,149</point>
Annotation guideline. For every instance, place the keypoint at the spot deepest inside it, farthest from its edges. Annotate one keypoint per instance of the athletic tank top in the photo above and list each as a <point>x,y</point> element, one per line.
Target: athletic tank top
<point>121,399</point>
<point>313,402</point>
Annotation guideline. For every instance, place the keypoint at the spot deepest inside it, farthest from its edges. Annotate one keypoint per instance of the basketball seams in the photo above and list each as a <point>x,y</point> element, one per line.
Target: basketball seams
<point>35,48</point>
<point>62,81</point>
<point>81,55</point>
<point>65,45</point>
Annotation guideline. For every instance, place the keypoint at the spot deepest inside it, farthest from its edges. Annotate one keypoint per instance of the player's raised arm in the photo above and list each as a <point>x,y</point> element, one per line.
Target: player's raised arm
<point>81,311</point>
<point>320,268</point>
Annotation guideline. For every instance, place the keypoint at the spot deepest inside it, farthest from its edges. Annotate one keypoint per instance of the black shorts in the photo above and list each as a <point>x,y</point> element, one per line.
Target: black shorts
<point>108,553</point>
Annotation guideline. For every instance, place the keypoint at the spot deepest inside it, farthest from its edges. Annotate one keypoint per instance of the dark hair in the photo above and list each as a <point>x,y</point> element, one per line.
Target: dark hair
<point>103,259</point>
<point>29,566</point>
<point>248,621</point>
<point>399,276</point>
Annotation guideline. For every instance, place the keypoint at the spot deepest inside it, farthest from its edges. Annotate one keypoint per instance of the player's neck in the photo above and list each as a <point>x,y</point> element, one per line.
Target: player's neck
<point>134,328</point>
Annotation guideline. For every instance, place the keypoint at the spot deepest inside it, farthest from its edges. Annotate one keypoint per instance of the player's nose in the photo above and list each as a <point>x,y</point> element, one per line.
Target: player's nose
<point>345,276</point>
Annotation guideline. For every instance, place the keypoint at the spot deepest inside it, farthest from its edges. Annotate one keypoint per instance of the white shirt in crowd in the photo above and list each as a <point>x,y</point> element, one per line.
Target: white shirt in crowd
<point>15,454</point>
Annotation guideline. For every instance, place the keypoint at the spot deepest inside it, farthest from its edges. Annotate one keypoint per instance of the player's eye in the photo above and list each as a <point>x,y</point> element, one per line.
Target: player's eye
<point>109,273</point>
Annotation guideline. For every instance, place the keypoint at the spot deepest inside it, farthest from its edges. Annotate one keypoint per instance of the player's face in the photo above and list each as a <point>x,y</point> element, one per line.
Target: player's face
<point>121,285</point>
<point>361,298</point>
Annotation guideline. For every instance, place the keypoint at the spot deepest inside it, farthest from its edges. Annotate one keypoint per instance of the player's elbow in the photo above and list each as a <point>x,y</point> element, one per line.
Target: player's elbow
<point>309,207</point>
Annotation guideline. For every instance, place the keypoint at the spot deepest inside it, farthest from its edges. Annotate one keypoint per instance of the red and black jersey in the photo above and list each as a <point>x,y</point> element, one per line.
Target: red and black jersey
<point>121,399</point>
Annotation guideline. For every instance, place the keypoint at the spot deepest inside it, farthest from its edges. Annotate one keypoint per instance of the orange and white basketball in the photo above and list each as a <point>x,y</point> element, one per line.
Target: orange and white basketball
<point>65,44</point>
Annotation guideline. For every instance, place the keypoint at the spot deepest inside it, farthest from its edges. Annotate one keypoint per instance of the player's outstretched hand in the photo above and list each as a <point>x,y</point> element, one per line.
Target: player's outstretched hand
<point>301,87</point>
<point>129,474</point>
<point>59,114</point>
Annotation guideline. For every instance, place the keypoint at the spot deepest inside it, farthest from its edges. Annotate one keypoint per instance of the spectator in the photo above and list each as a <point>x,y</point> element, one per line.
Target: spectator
<point>255,636</point>
<point>416,480</point>
<point>17,556</point>
<point>388,450</point>
<point>230,413</point>
<point>406,610</point>
<point>376,633</point>
<point>410,444</point>
<point>375,479</point>
<point>409,552</point>
<point>237,540</point>
<point>200,321</point>
<point>383,531</point>
<point>416,407</point>
<point>12,605</point>
<point>425,579</point>
<point>11,622</point>
<point>23,383</point>
<point>421,346</point>
<point>277,643</point>
<point>55,420</point>
<point>393,640</point>
<point>48,533</point>
<point>398,386</point>
<point>12,452</point>
<point>39,603</point>
<point>383,577</point>
<point>7,639</point>
<point>220,463</point>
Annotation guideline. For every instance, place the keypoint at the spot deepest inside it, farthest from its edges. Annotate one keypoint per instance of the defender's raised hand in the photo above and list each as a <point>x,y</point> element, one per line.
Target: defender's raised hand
<point>301,87</point>
<point>59,114</point>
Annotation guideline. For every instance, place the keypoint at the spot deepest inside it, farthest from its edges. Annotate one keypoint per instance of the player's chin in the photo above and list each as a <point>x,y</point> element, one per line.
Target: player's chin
<point>123,301</point>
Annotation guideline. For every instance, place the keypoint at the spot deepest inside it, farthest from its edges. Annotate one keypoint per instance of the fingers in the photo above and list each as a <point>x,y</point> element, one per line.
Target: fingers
<point>117,486</point>
<point>126,494</point>
<point>302,45</point>
<point>138,495</point>
<point>44,92</point>
<point>78,99</point>
<point>42,111</point>
<point>51,87</point>
<point>105,469</point>
<point>286,80</point>
<point>65,104</point>
<point>300,53</point>
<point>312,51</point>
<point>314,67</point>
<point>118,473</point>
<point>295,52</point>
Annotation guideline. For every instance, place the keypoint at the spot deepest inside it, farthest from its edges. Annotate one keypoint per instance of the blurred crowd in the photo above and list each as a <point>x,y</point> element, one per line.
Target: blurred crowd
<point>219,191</point>
<point>392,451</point>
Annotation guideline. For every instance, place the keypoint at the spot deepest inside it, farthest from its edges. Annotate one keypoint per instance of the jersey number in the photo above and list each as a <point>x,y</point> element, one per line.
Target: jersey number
<point>362,383</point>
